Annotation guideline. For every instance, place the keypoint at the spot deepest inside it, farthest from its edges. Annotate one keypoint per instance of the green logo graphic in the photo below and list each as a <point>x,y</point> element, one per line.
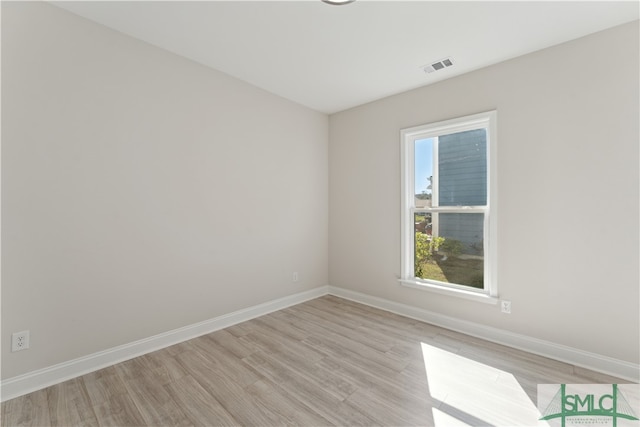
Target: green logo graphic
<point>613,405</point>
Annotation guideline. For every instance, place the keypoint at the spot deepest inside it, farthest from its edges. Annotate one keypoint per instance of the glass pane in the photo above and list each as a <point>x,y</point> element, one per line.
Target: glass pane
<point>423,172</point>
<point>462,168</point>
<point>449,248</point>
<point>423,223</point>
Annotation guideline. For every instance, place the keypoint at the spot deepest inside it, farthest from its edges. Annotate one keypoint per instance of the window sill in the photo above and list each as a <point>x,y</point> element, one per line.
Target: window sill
<point>443,290</point>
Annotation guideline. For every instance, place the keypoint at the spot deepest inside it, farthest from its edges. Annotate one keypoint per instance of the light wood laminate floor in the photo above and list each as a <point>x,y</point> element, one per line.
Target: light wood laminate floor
<point>328,361</point>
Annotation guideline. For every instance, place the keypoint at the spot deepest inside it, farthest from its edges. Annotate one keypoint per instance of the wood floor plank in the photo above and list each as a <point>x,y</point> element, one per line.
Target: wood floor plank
<point>312,380</point>
<point>358,349</point>
<point>328,314</point>
<point>375,319</point>
<point>478,348</point>
<point>225,361</point>
<point>176,349</point>
<point>169,369</point>
<point>321,324</point>
<point>328,361</point>
<point>592,377</point>
<point>386,413</point>
<point>398,389</point>
<point>271,340</point>
<point>70,405</point>
<point>200,407</point>
<point>156,406</point>
<point>322,378</point>
<point>231,343</point>
<point>233,398</point>
<point>118,410</point>
<point>364,314</point>
<point>281,409</point>
<point>142,366</point>
<point>297,358</point>
<point>238,330</point>
<point>28,410</point>
<point>283,325</point>
<point>103,384</point>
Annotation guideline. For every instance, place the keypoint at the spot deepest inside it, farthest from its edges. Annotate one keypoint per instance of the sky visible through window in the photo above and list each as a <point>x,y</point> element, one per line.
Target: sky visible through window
<point>424,165</point>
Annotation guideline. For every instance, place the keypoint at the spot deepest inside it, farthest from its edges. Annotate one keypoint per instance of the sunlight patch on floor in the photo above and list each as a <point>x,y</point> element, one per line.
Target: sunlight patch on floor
<point>472,393</point>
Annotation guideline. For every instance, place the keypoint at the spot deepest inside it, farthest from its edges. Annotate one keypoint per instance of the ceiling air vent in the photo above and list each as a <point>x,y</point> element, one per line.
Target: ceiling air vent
<point>438,65</point>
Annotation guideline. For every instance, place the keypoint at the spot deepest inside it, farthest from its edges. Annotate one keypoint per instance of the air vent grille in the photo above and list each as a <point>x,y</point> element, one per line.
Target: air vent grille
<point>438,65</point>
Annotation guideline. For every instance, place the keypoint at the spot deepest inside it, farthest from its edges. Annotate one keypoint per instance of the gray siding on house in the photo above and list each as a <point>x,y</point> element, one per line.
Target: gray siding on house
<point>462,174</point>
<point>462,169</point>
<point>465,227</point>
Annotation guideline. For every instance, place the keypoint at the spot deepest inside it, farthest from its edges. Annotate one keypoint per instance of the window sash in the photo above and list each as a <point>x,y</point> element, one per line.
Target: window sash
<point>452,209</point>
<point>485,247</point>
<point>408,140</point>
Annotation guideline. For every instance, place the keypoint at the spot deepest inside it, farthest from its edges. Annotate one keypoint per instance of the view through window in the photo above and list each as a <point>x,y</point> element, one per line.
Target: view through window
<point>446,208</point>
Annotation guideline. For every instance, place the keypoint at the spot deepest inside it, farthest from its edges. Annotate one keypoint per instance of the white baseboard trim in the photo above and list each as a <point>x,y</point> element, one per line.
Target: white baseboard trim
<point>37,380</point>
<point>606,365</point>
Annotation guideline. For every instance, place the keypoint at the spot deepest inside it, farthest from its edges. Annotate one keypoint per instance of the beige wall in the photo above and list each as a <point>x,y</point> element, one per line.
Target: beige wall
<point>568,192</point>
<point>142,192</point>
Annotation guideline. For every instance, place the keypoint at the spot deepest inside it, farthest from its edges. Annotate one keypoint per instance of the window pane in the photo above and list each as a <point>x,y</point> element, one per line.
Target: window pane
<point>423,223</point>
<point>423,172</point>
<point>462,168</point>
<point>451,249</point>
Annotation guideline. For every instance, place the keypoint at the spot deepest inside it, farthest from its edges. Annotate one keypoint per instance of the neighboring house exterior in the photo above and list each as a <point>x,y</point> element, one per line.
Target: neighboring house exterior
<point>424,226</point>
<point>462,181</point>
<point>422,203</point>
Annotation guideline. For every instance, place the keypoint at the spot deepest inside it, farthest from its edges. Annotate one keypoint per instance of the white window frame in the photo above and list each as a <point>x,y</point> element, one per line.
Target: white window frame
<point>486,120</point>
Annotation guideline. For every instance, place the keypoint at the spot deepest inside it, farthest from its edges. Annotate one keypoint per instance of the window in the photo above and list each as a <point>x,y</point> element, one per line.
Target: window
<point>449,207</point>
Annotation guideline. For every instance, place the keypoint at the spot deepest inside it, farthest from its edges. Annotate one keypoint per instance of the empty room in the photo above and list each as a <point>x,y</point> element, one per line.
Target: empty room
<point>320,213</point>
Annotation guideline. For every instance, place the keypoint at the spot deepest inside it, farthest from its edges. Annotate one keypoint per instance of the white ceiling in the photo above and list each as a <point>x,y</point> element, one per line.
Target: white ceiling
<point>331,58</point>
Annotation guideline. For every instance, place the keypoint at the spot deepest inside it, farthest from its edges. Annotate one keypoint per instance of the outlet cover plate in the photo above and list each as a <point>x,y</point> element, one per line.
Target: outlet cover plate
<point>19,341</point>
<point>505,306</point>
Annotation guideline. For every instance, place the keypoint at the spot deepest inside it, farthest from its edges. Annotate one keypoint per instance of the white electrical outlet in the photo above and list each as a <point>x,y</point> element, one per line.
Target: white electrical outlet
<point>20,341</point>
<point>295,277</point>
<point>505,306</point>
